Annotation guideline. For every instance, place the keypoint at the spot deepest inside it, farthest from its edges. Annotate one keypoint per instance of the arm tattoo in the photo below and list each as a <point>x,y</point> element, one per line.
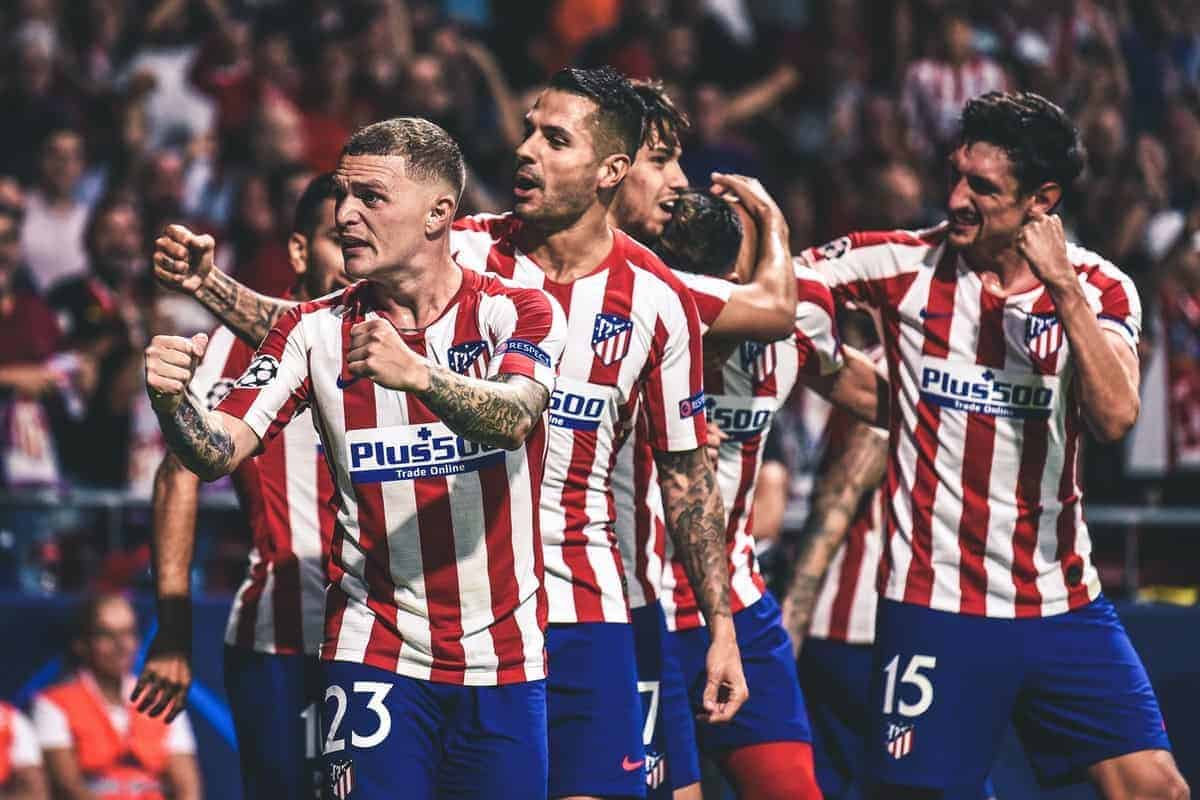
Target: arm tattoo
<point>247,313</point>
<point>202,446</point>
<point>837,496</point>
<point>499,412</point>
<point>695,517</point>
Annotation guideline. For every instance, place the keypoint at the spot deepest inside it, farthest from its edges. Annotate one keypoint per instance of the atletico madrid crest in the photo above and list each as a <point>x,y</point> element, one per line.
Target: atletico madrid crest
<point>465,359</point>
<point>758,360</point>
<point>656,769</point>
<point>610,338</point>
<point>341,779</point>
<point>1043,336</point>
<point>899,740</point>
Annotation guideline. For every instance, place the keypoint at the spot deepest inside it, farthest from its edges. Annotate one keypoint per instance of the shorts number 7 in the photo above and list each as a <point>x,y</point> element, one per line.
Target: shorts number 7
<point>650,687</point>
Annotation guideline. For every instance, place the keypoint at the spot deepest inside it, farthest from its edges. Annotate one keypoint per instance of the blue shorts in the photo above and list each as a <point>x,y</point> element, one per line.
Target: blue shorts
<point>775,711</point>
<point>672,759</point>
<point>946,685</point>
<point>836,677</point>
<point>388,735</point>
<point>594,711</point>
<point>274,701</point>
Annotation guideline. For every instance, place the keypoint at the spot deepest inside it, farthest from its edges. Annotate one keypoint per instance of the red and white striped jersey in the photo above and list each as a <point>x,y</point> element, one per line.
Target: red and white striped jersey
<point>435,567</point>
<point>845,607</point>
<point>985,503</point>
<point>744,392</point>
<point>619,354</point>
<point>287,495</point>
<point>934,92</point>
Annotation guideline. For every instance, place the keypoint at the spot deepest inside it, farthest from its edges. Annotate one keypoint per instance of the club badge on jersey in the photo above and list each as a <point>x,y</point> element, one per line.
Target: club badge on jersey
<point>341,779</point>
<point>1043,336</point>
<point>758,360</point>
<point>611,336</point>
<point>465,359</point>
<point>899,740</point>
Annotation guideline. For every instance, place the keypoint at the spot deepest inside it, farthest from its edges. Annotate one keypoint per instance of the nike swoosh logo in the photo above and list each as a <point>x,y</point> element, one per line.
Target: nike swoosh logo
<point>630,766</point>
<point>935,314</point>
<point>342,383</point>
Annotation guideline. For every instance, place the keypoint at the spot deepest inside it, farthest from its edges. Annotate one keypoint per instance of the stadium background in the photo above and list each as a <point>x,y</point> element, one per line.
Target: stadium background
<point>212,112</point>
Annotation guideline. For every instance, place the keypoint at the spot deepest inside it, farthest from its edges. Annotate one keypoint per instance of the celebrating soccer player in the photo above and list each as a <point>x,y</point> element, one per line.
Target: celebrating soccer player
<point>1003,341</point>
<point>272,673</point>
<point>427,383</point>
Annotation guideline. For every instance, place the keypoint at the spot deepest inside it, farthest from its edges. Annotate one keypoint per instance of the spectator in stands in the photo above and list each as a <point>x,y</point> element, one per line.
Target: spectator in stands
<point>103,313</point>
<point>935,88</point>
<point>35,100</point>
<point>95,743</point>
<point>21,774</point>
<point>55,219</point>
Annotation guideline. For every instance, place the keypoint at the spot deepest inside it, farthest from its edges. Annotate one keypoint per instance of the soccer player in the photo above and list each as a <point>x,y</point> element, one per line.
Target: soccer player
<point>582,135</point>
<point>272,673</point>
<point>761,307</point>
<point>765,752</point>
<point>1003,341</point>
<point>427,383</point>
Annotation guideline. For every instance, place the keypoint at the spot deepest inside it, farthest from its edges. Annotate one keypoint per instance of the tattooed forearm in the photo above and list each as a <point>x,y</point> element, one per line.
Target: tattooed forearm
<point>695,517</point>
<point>498,413</point>
<point>247,313</point>
<point>203,446</point>
<point>836,499</point>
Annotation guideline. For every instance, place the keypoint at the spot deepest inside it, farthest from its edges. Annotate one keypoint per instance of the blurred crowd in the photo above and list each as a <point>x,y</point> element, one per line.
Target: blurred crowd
<point>122,115</point>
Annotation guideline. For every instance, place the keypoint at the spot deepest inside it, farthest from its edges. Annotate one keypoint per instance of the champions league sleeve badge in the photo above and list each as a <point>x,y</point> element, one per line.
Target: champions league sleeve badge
<point>262,370</point>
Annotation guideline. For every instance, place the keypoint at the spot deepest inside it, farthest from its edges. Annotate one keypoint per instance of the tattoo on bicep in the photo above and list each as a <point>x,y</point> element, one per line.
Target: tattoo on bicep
<point>498,412</point>
<point>205,449</point>
<point>695,517</point>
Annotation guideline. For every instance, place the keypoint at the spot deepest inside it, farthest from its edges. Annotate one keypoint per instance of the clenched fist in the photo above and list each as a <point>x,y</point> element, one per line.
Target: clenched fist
<point>170,362</point>
<point>1042,243</point>
<point>182,259</point>
<point>378,352</point>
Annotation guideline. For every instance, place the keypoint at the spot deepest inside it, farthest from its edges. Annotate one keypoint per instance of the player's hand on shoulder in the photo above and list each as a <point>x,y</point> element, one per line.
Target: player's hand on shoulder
<point>182,259</point>
<point>170,362</point>
<point>1043,243</point>
<point>378,352</point>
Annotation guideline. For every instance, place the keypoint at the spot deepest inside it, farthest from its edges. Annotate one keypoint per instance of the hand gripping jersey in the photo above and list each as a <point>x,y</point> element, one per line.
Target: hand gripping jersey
<point>845,607</point>
<point>287,495</point>
<point>633,337</point>
<point>985,510</point>
<point>744,392</point>
<point>435,569</point>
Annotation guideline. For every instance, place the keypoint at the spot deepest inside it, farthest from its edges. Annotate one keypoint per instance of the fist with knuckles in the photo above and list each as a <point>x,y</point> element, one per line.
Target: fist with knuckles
<point>170,362</point>
<point>378,352</point>
<point>182,259</point>
<point>1043,243</point>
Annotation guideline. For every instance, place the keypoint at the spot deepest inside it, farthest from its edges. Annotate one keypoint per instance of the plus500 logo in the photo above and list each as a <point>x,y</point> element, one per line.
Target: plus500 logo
<point>988,395</point>
<point>738,423</point>
<point>430,455</point>
<point>575,411</point>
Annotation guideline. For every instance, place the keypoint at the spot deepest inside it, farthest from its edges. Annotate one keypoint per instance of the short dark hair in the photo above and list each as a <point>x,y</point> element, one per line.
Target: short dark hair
<point>428,151</point>
<point>619,109</point>
<point>664,120</point>
<point>107,204</point>
<point>308,207</point>
<point>1041,141</point>
<point>703,236</point>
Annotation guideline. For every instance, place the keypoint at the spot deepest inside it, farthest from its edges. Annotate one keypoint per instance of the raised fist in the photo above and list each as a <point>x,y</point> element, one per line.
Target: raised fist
<point>170,362</point>
<point>182,259</point>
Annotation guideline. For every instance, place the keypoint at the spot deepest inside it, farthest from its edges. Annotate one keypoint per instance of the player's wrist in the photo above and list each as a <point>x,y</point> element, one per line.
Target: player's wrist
<point>174,635</point>
<point>720,627</point>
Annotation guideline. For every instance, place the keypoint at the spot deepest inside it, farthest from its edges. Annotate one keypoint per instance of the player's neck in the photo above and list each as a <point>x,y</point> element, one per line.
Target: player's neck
<point>1004,273</point>
<point>418,294</point>
<point>572,252</point>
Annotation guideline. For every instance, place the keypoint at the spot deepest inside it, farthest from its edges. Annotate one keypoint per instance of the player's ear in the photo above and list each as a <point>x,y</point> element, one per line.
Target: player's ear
<point>297,248</point>
<point>1045,198</point>
<point>440,215</point>
<point>613,170</point>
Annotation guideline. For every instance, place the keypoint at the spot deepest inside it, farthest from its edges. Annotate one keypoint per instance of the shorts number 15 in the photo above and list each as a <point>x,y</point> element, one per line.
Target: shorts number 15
<point>913,677</point>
